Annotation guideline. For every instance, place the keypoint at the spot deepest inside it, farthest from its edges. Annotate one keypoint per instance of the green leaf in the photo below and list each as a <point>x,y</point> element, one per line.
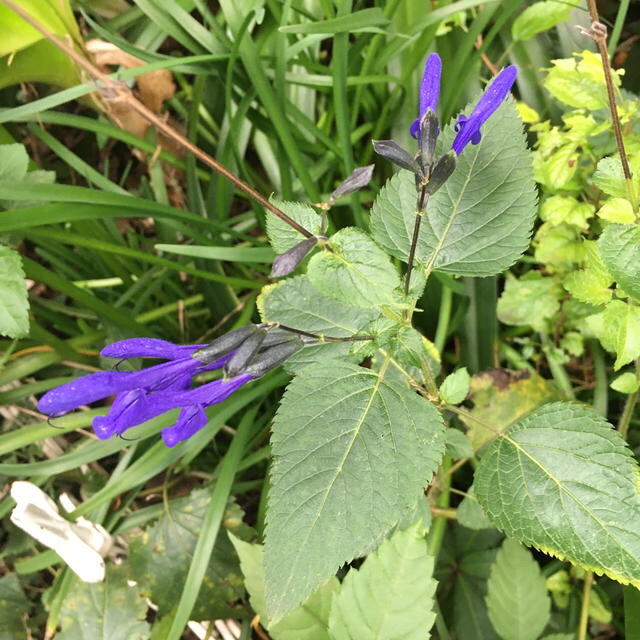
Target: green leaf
<point>230,254</point>
<point>529,301</point>
<point>281,235</point>
<point>470,514</point>
<point>14,310</point>
<point>618,329</point>
<point>296,303</point>
<point>618,210</point>
<point>110,610</point>
<point>480,221</point>
<point>500,397</point>
<point>309,621</point>
<point>517,599</point>
<point>560,636</point>
<point>455,387</point>
<point>580,83</point>
<point>391,596</point>
<point>13,162</point>
<point>457,443</point>
<point>562,480</point>
<point>160,556</point>
<point>540,17</point>
<point>410,346</point>
<point>626,383</point>
<point>13,607</point>
<point>356,271</point>
<point>350,446</point>
<point>619,247</point>
<point>558,248</point>
<point>567,209</point>
<point>609,177</point>
<point>592,283</point>
<point>358,21</point>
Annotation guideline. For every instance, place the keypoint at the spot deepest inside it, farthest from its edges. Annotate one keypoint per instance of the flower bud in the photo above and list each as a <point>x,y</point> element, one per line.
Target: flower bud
<point>224,344</point>
<point>286,262</point>
<point>445,166</point>
<point>358,179</point>
<point>274,356</point>
<point>391,150</point>
<point>429,129</point>
<point>244,354</point>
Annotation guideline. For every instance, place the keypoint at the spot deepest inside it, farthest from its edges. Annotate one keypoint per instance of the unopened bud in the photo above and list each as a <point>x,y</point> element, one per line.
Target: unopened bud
<point>445,166</point>
<point>224,344</point>
<point>429,129</point>
<point>286,262</point>
<point>358,179</point>
<point>244,354</point>
<point>391,150</point>
<point>273,357</point>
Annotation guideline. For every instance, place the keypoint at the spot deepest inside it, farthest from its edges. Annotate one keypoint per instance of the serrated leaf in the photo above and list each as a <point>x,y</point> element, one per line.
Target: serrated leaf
<point>109,610</point>
<point>14,310</point>
<point>480,221</point>
<point>410,346</point>
<point>14,606</point>
<point>391,596</point>
<point>309,621</point>
<point>517,600</point>
<point>500,397</point>
<point>539,17</point>
<point>561,208</point>
<point>280,234</point>
<point>592,283</point>
<point>159,559</point>
<point>455,387</point>
<point>564,481</point>
<point>619,247</point>
<point>609,177</point>
<point>470,514</point>
<point>356,271</point>
<point>529,301</point>
<point>349,446</point>
<point>618,329</point>
<point>457,444</point>
<point>297,303</point>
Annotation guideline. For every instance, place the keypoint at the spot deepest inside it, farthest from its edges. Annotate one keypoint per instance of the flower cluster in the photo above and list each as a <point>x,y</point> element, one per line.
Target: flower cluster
<point>244,355</point>
<point>426,128</point>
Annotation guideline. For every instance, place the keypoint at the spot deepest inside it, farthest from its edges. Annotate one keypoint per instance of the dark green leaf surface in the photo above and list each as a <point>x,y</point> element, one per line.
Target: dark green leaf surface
<point>480,221</point>
<point>619,248</point>
<point>357,271</point>
<point>110,610</point>
<point>352,453</point>
<point>391,596</point>
<point>159,559</point>
<point>517,599</point>
<point>13,606</point>
<point>296,303</point>
<point>14,310</point>
<point>562,480</point>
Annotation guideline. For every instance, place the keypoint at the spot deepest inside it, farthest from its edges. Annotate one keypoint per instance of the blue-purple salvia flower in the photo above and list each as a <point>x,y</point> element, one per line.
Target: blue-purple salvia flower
<point>469,128</point>
<point>429,90</point>
<point>142,395</point>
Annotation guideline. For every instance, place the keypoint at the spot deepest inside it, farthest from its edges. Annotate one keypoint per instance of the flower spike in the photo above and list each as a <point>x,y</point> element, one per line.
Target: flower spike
<point>429,90</point>
<point>469,128</point>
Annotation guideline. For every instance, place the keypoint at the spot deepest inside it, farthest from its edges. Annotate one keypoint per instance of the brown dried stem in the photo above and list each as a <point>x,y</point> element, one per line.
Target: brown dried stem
<point>114,90</point>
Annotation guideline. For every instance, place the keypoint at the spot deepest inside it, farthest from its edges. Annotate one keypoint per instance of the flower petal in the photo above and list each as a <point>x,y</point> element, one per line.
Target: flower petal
<point>497,91</point>
<point>148,348</point>
<point>190,421</point>
<point>207,394</point>
<point>430,85</point>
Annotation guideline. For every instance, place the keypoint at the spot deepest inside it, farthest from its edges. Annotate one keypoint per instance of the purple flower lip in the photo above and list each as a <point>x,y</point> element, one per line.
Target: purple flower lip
<point>469,128</point>
<point>429,90</point>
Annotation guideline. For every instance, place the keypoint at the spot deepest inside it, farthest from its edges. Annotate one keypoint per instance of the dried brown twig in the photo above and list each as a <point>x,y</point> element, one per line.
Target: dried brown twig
<point>116,91</point>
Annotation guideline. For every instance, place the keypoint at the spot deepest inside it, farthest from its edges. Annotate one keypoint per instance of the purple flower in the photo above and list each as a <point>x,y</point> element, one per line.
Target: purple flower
<point>469,128</point>
<point>429,90</point>
<point>137,398</point>
<point>142,395</point>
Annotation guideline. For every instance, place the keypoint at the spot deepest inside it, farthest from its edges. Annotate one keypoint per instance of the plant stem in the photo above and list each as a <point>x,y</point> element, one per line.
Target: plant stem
<point>443,632</point>
<point>444,315</point>
<point>436,534</point>
<point>423,198</point>
<point>599,34</point>
<point>558,371</point>
<point>115,91</point>
<point>320,336</point>
<point>584,611</point>
<point>600,391</point>
<point>629,406</point>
